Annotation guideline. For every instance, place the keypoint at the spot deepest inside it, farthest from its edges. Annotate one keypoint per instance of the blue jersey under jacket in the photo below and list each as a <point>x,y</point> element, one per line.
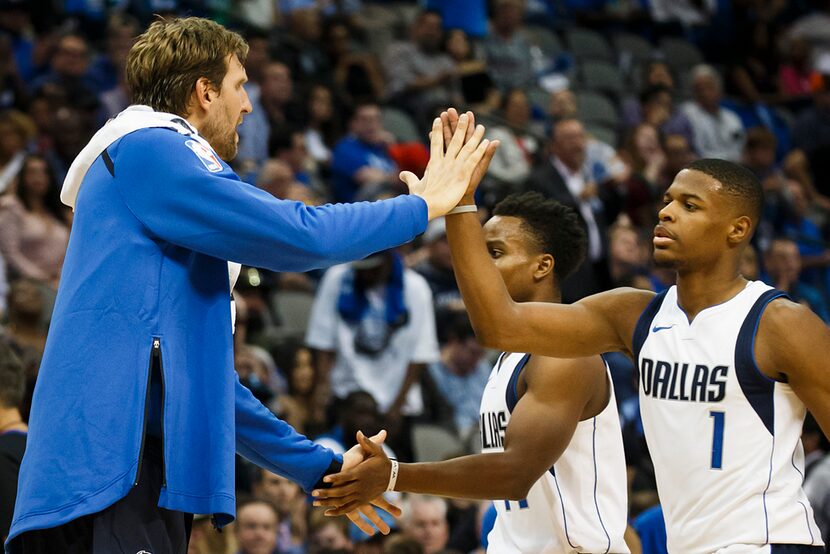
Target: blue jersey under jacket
<point>156,219</point>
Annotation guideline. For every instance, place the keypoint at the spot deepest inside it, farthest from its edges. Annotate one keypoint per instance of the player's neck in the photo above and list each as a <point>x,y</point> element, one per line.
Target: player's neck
<point>697,290</point>
<point>553,295</point>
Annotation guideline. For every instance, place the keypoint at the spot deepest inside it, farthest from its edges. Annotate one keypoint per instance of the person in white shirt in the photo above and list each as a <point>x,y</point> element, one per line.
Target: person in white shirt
<point>718,132</point>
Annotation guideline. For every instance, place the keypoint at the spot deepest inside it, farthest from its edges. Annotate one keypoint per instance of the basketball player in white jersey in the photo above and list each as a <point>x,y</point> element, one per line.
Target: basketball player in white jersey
<point>726,366</point>
<point>550,433</point>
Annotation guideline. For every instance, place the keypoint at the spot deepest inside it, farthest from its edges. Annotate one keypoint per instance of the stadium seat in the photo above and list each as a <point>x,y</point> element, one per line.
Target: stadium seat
<point>634,46</point>
<point>596,108</point>
<point>293,310</point>
<point>539,97</point>
<point>602,77</point>
<point>603,133</point>
<point>431,443</point>
<point>680,54</point>
<point>586,44</point>
<point>400,124</point>
<point>545,39</point>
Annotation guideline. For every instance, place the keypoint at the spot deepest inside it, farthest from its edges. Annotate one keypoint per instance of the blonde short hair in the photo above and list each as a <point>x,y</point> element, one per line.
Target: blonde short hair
<point>167,60</point>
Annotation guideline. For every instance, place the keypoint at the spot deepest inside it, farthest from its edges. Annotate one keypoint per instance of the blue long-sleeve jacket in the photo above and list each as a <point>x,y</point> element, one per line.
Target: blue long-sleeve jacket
<point>146,265</point>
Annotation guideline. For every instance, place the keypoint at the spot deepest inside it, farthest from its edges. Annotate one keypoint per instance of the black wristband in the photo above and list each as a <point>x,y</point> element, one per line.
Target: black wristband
<point>334,467</point>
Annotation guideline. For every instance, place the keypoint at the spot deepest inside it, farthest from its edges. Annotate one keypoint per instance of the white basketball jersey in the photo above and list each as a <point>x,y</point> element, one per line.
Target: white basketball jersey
<point>724,438</point>
<point>580,504</point>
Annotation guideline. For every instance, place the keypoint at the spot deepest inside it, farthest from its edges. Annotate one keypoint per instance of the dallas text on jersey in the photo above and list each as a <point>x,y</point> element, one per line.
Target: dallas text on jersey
<point>685,382</point>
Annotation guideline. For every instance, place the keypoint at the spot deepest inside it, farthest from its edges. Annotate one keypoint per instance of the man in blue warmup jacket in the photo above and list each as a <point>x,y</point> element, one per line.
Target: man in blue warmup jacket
<point>138,411</point>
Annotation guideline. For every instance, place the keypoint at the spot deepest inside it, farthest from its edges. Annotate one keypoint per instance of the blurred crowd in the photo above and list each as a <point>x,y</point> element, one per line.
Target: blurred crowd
<point>597,103</point>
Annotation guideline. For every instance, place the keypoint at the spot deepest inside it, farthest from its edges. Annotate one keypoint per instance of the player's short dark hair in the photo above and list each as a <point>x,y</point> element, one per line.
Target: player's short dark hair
<point>737,181</point>
<point>553,227</point>
<point>12,377</point>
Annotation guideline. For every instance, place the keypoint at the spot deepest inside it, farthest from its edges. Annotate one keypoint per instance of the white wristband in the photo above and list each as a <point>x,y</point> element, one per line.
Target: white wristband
<point>463,209</point>
<point>393,475</point>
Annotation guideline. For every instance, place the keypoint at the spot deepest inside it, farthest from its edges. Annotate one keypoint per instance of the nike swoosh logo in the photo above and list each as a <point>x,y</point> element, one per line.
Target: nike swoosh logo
<point>656,328</point>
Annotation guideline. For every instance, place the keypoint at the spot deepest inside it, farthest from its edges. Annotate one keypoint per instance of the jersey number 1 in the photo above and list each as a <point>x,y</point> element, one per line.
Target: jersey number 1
<point>717,439</point>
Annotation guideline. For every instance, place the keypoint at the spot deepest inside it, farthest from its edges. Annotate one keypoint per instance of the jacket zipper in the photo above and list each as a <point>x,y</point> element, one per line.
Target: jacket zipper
<point>146,411</point>
<point>154,355</point>
<point>157,352</point>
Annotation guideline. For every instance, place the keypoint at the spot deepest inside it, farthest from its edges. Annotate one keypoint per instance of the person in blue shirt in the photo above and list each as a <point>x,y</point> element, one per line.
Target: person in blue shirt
<point>138,412</point>
<point>361,161</point>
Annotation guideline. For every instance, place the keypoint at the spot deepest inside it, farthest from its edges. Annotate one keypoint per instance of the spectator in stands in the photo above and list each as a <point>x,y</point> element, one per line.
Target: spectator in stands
<point>287,144</point>
<point>254,131</point>
<point>357,75</point>
<point>643,152</point>
<point>425,520</point>
<point>477,88</point>
<point>322,124</point>
<point>461,374</point>
<point>302,405</point>
<point>12,431</point>
<point>273,108</point>
<point>327,534</point>
<point>25,325</point>
<point>301,46</point>
<point>360,161</point>
<point>811,134</point>
<point>437,269</point>
<point>257,523</point>
<point>16,129</point>
<point>373,326</point>
<point>783,269</point>
<point>506,48</point>
<point>718,132</point>
<point>33,230</point>
<point>626,255</point>
<point>564,177</point>
<point>796,76</point>
<point>107,69</point>
<point>69,70</point>
<point>802,227</point>
<point>13,93</point>
<point>517,151</point>
<point>290,502</point>
<point>678,154</point>
<point>656,107</point>
<point>419,75</point>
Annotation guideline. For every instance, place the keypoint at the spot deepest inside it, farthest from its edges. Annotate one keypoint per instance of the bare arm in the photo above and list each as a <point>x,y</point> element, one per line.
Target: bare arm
<point>413,375</point>
<point>601,323</point>
<point>540,429</point>
<point>793,341</point>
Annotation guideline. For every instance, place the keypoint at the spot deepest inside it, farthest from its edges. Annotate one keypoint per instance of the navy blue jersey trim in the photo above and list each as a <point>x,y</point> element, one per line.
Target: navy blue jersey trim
<point>511,395</point>
<point>795,549</point>
<point>764,496</point>
<point>643,325</point>
<point>596,480</point>
<point>561,503</point>
<point>108,162</point>
<point>807,519</point>
<point>757,387</point>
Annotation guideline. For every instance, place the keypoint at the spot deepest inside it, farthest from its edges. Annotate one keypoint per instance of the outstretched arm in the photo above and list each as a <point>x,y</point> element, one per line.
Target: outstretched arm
<point>540,429</point>
<point>793,342</point>
<point>601,323</point>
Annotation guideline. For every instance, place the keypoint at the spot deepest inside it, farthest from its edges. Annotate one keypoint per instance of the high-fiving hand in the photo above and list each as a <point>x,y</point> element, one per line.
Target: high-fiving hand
<point>351,459</point>
<point>453,159</point>
<point>353,487</point>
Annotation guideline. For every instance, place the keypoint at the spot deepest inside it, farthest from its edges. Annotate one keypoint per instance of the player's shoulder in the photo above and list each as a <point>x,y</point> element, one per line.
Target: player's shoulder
<point>586,373</point>
<point>783,318</point>
<point>157,146</point>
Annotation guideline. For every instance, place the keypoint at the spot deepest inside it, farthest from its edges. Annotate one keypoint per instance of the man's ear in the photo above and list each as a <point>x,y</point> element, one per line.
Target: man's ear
<point>204,93</point>
<point>740,230</point>
<point>544,267</point>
